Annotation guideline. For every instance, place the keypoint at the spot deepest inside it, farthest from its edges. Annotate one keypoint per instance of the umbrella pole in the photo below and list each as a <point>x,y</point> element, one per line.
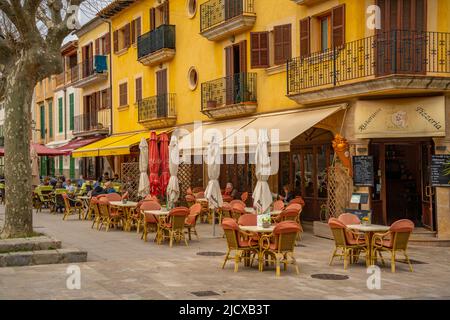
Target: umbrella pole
<point>214,221</point>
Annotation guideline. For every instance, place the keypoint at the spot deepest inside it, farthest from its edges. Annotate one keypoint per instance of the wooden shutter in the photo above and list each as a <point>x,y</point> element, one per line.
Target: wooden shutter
<point>152,19</point>
<point>165,13</point>
<point>338,23</point>
<point>97,46</point>
<point>138,27</point>
<point>138,83</point>
<point>116,40</point>
<point>259,48</point>
<point>282,43</point>
<point>243,56</point>
<point>126,34</point>
<point>305,41</point>
<point>107,44</point>
<point>229,61</point>
<point>133,31</point>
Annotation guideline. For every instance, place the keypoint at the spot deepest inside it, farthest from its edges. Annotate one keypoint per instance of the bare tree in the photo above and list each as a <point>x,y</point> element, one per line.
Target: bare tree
<point>31,34</point>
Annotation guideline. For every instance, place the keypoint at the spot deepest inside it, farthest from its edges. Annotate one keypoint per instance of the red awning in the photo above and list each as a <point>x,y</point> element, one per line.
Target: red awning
<point>41,150</point>
<point>75,144</point>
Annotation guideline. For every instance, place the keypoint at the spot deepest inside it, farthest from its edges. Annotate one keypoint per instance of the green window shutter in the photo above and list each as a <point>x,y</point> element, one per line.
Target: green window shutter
<point>51,166</point>
<point>71,111</point>
<point>50,118</point>
<point>72,168</point>
<point>60,114</point>
<point>61,165</point>
<point>43,163</point>
<point>42,122</point>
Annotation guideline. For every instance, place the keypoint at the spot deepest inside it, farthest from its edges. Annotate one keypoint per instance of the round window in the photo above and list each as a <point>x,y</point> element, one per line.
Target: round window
<point>191,7</point>
<point>193,78</point>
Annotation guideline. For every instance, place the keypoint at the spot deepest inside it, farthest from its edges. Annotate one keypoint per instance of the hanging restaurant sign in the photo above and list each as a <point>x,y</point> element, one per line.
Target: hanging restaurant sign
<point>392,118</point>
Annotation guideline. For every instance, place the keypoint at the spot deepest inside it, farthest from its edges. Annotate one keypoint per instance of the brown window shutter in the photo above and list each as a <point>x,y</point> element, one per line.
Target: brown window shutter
<point>282,43</point>
<point>259,47</point>
<point>138,27</point>
<point>133,31</point>
<point>166,13</point>
<point>152,19</point>
<point>338,23</point>
<point>138,89</point>
<point>97,100</point>
<point>305,41</point>
<point>97,46</point>
<point>127,36</point>
<point>116,40</point>
<point>243,56</point>
<point>107,44</point>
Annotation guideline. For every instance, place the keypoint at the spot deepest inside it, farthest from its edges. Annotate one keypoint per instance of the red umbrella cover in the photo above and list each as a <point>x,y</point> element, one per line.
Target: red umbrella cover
<point>153,164</point>
<point>164,154</point>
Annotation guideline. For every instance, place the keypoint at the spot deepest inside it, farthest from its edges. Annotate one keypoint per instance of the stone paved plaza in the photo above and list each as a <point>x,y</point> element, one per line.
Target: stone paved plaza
<point>121,266</point>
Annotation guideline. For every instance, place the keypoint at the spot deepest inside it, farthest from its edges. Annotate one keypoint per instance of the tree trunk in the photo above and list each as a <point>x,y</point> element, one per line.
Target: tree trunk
<point>19,92</point>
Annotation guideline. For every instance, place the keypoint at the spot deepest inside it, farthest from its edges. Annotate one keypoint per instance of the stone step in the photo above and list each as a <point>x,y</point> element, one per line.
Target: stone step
<point>29,258</point>
<point>29,244</point>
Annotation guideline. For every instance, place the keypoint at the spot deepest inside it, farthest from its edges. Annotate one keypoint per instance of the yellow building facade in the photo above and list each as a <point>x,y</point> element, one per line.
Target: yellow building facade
<point>308,68</point>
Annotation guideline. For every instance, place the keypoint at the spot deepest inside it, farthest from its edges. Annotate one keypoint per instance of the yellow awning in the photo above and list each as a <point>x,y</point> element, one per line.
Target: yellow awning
<point>92,150</point>
<point>123,146</point>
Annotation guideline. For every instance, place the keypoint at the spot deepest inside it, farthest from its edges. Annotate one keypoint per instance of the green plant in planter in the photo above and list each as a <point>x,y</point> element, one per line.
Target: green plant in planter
<point>266,222</point>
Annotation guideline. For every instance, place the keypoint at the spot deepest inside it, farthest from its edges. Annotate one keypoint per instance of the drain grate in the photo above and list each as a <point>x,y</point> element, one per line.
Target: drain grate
<point>329,276</point>
<point>211,253</point>
<point>205,293</point>
<point>412,261</point>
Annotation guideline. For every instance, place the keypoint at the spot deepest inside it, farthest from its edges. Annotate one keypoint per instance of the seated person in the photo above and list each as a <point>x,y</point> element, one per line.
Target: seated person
<point>231,191</point>
<point>98,183</point>
<point>109,188</point>
<point>288,194</point>
<point>81,181</point>
<point>116,178</point>
<point>98,190</point>
<point>70,187</point>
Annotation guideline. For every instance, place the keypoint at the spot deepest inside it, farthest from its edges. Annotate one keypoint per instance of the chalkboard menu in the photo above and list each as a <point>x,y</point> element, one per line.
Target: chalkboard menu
<point>438,166</point>
<point>363,171</point>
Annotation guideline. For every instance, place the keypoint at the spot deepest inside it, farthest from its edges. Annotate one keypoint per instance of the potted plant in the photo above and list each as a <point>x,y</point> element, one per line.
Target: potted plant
<point>266,222</point>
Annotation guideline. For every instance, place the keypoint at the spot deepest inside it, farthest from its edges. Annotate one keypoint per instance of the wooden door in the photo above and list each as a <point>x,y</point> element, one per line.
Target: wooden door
<point>161,92</point>
<point>427,191</point>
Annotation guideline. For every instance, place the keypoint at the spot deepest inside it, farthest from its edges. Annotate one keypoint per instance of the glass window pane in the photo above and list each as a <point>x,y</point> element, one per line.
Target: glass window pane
<point>321,170</point>
<point>297,174</point>
<point>308,162</point>
<point>324,33</point>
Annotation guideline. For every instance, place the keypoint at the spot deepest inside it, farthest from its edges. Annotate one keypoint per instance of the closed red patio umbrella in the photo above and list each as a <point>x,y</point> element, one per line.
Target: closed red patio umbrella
<point>164,154</point>
<point>153,164</point>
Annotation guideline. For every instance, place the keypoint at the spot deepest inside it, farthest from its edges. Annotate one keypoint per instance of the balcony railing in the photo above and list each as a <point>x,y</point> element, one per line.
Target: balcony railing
<point>236,89</point>
<point>162,37</point>
<point>214,12</point>
<point>394,52</point>
<point>157,108</point>
<point>99,121</point>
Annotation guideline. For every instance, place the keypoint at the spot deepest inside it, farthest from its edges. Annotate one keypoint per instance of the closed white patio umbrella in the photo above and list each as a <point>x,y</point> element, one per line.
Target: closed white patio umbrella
<point>173,188</point>
<point>34,167</point>
<point>262,195</point>
<point>144,185</point>
<point>212,192</point>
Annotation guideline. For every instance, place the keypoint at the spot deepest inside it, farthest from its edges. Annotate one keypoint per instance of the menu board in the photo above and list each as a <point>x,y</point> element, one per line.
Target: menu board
<point>439,164</point>
<point>363,171</point>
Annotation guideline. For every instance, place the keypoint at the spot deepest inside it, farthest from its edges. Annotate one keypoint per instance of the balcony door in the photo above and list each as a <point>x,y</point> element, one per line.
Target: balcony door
<point>236,67</point>
<point>161,92</point>
<point>233,8</point>
<point>401,41</point>
<point>87,60</point>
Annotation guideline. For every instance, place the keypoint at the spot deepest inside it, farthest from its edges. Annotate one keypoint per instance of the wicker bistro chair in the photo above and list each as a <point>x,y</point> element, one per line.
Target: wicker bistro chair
<point>149,222</point>
<point>108,217</point>
<point>347,219</point>
<point>174,228</point>
<point>93,209</point>
<point>70,209</point>
<point>298,200</point>
<point>152,198</point>
<point>190,199</point>
<point>347,242</point>
<point>244,196</point>
<point>393,241</point>
<point>225,211</point>
<point>282,248</point>
<point>242,248</point>
<point>113,197</point>
<point>191,220</point>
<point>287,215</point>
<point>242,203</point>
<point>227,198</point>
<point>57,201</point>
<point>247,219</point>
<point>237,210</point>
<point>44,196</point>
<point>278,205</point>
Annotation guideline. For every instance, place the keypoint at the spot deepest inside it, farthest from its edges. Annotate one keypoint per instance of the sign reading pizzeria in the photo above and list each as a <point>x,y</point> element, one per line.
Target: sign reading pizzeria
<point>392,118</point>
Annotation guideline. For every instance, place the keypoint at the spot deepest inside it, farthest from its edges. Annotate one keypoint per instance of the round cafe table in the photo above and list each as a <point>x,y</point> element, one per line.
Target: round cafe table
<point>369,230</point>
<point>258,230</point>
<point>160,216</point>
<point>126,207</point>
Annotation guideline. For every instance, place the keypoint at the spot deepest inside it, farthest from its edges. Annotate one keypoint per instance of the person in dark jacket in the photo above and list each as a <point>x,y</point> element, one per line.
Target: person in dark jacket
<point>288,194</point>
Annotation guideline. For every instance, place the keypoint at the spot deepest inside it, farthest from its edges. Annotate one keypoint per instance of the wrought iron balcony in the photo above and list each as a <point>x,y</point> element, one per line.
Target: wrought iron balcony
<point>222,18</point>
<point>230,96</point>
<point>390,60</point>
<point>89,71</point>
<point>156,46</point>
<point>92,123</point>
<point>157,111</point>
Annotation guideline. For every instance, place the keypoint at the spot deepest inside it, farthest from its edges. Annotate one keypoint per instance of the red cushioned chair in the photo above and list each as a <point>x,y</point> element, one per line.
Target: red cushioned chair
<point>174,228</point>
<point>242,248</point>
<point>149,221</point>
<point>108,217</point>
<point>278,205</point>
<point>191,220</point>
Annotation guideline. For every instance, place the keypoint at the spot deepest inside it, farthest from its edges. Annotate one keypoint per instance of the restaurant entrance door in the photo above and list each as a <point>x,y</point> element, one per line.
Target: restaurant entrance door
<point>402,181</point>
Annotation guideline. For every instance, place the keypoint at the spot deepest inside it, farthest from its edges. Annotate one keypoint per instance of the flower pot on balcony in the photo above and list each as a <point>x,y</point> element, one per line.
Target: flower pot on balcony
<point>211,104</point>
